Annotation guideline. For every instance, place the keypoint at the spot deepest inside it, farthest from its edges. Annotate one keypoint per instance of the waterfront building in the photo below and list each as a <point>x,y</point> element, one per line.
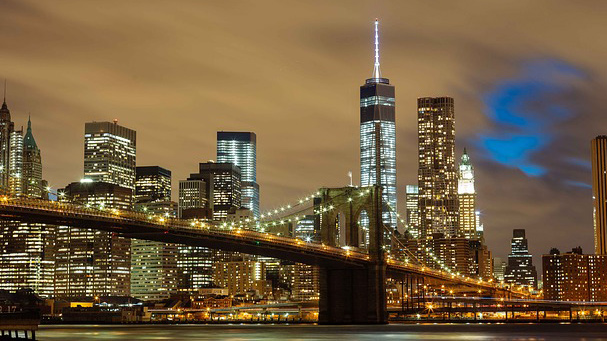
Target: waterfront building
<point>301,279</point>
<point>91,262</point>
<point>153,264</point>
<point>109,153</point>
<point>574,276</point>
<point>412,206</point>
<point>499,269</point>
<point>240,277</point>
<point>437,176</point>
<point>240,149</point>
<point>27,257</point>
<point>520,269</point>
<point>598,157</point>
<point>378,139</point>
<point>33,185</point>
<point>467,199</point>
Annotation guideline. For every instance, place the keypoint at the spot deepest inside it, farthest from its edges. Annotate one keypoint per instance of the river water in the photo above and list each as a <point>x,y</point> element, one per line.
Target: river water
<point>466,332</point>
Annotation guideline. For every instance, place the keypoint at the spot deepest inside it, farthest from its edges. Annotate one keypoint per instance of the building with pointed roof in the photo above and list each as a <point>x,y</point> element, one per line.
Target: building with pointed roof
<point>467,198</point>
<point>378,139</point>
<point>33,184</point>
<point>7,127</point>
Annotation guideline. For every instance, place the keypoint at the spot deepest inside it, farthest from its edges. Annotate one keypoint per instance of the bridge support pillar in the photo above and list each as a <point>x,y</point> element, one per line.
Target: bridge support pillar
<point>353,296</point>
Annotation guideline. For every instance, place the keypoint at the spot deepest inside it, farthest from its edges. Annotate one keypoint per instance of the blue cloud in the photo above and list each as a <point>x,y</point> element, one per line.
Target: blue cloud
<point>524,109</point>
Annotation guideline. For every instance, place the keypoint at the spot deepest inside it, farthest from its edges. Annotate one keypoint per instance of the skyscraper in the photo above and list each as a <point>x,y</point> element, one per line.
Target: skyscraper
<point>91,262</point>
<point>15,163</point>
<point>240,149</point>
<point>437,176</point>
<point>225,179</point>
<point>153,264</point>
<point>599,192</point>
<point>109,153</point>
<point>412,202</point>
<point>6,129</point>
<point>520,269</point>
<point>467,199</point>
<point>33,185</point>
<point>378,137</point>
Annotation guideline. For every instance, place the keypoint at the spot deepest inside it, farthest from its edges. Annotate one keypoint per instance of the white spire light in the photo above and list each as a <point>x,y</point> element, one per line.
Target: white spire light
<point>376,73</point>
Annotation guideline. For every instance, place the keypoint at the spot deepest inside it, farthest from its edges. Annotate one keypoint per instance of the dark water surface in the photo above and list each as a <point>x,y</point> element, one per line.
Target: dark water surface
<point>467,332</point>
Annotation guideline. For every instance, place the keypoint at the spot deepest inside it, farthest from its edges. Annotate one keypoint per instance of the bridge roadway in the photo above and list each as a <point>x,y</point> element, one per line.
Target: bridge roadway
<point>195,233</point>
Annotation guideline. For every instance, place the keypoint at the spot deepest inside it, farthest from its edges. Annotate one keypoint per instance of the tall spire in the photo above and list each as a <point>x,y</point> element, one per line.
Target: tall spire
<point>4,101</point>
<point>376,72</point>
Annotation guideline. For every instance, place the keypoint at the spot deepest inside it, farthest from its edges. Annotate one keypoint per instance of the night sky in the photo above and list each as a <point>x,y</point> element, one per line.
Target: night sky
<point>528,78</point>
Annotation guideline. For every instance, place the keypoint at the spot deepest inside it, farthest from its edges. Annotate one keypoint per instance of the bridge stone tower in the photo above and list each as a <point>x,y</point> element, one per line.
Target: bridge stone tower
<point>355,295</point>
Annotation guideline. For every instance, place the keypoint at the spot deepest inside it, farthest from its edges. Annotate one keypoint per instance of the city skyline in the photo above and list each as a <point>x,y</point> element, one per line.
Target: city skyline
<point>279,179</point>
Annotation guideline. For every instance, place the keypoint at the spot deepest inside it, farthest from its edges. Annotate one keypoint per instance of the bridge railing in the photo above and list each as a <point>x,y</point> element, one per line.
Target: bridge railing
<point>168,223</point>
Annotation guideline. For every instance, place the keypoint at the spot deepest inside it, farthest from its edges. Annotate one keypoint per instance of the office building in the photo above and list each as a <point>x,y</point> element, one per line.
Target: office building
<point>499,269</point>
<point>302,280</point>
<point>467,199</point>
<point>224,183</point>
<point>240,149</point>
<point>412,206</point>
<point>574,276</point>
<point>598,157</point>
<point>437,175</point>
<point>27,257</point>
<point>33,185</point>
<point>91,262</point>
<point>153,264</point>
<point>109,153</point>
<point>378,139</point>
<point>308,228</point>
<point>15,163</point>
<point>6,129</point>
<point>520,269</point>
<point>194,199</point>
<point>240,277</point>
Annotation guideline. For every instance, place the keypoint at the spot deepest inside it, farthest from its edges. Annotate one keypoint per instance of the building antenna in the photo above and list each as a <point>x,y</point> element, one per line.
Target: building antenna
<point>376,72</point>
<point>4,90</point>
<point>350,175</point>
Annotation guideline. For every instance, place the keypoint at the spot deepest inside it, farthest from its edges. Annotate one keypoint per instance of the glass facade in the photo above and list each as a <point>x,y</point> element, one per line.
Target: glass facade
<point>109,153</point>
<point>240,149</point>
<point>15,162</point>
<point>378,143</point>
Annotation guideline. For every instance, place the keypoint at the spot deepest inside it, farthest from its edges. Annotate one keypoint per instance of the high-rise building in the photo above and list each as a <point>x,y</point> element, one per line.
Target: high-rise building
<point>412,203</point>
<point>15,163</point>
<point>153,264</point>
<point>240,277</point>
<point>209,194</point>
<point>225,179</point>
<point>27,257</point>
<point>240,149</point>
<point>437,176</point>
<point>467,199</point>
<point>574,276</point>
<point>499,269</point>
<point>520,269</point>
<point>33,185</point>
<point>109,153</point>
<point>378,138</point>
<point>152,183</point>
<point>308,228</point>
<point>599,192</point>
<point>6,129</point>
<point>91,262</point>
